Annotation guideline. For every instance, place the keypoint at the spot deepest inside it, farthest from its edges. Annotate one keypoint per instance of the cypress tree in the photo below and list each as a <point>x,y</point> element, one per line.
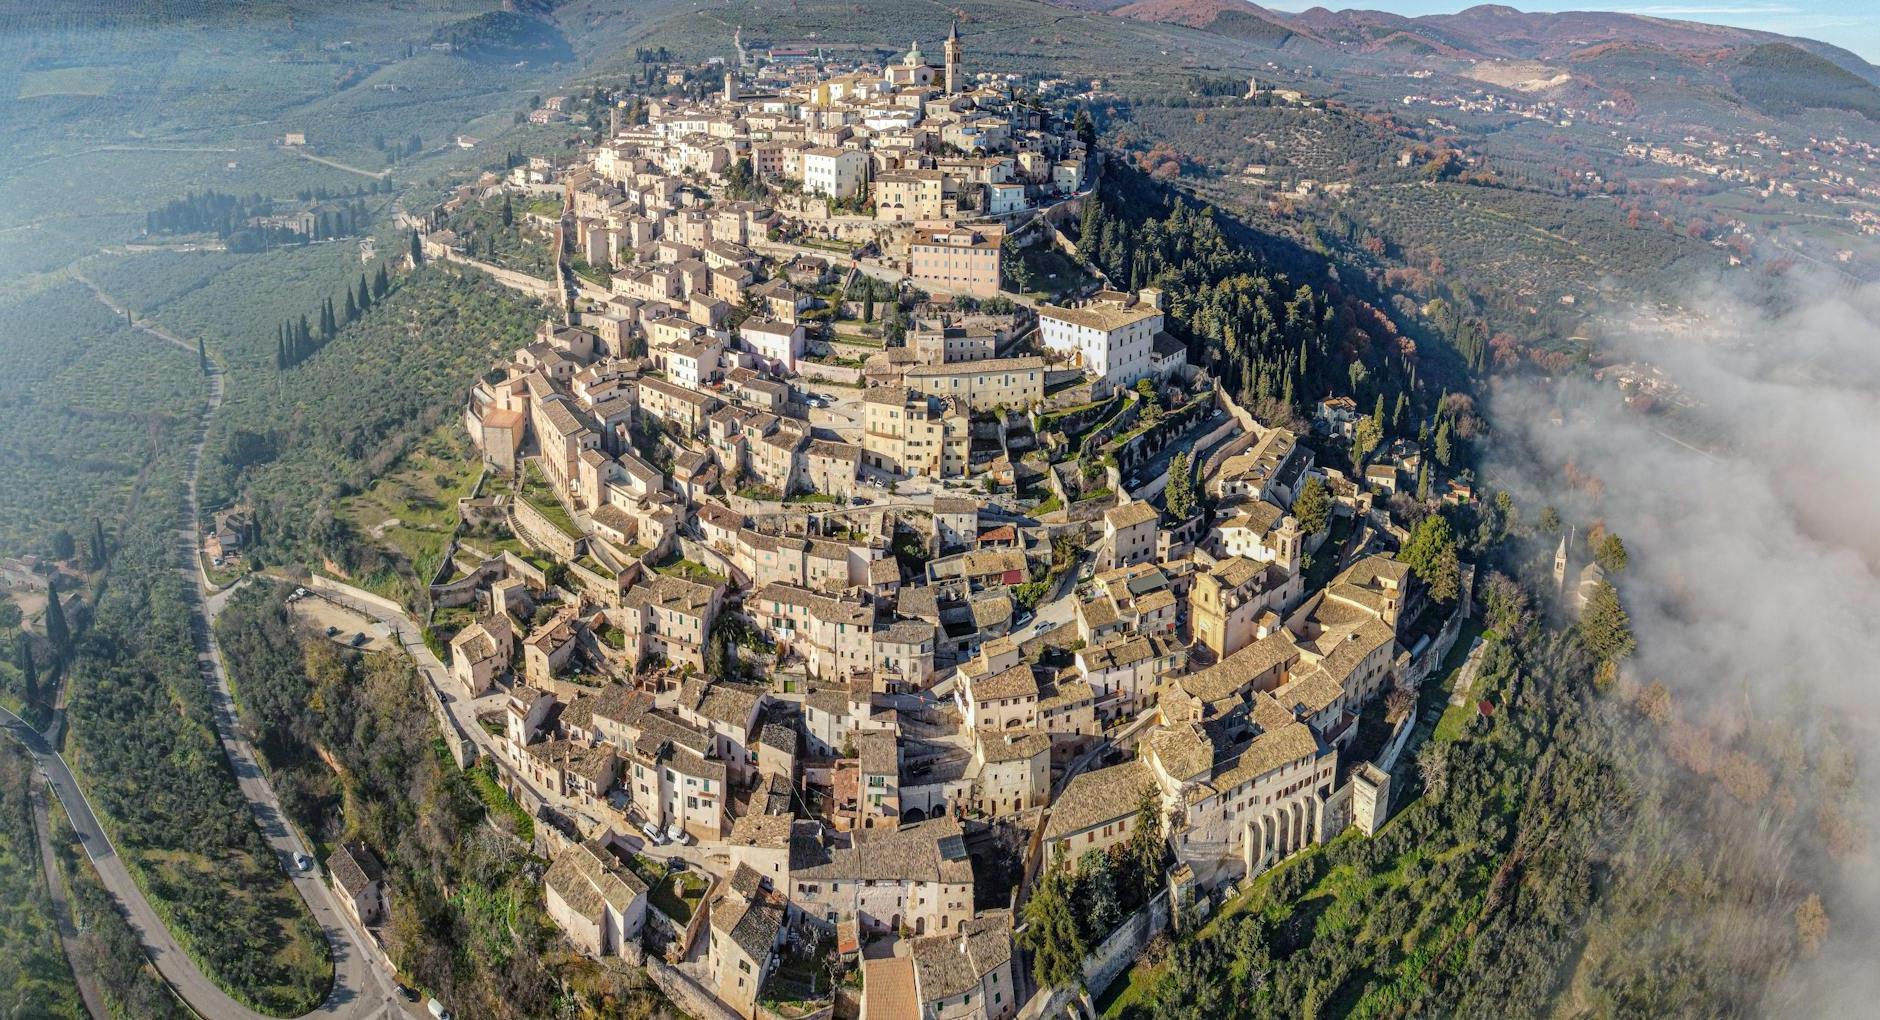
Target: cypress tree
<point>417,250</point>
<point>202,356</point>
<point>365,295</point>
<point>100,552</point>
<point>352,307</point>
<point>382,284</point>
<point>57,632</point>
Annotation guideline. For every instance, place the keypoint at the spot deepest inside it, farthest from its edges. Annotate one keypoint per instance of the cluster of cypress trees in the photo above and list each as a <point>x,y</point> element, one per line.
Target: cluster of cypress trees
<point>298,340</point>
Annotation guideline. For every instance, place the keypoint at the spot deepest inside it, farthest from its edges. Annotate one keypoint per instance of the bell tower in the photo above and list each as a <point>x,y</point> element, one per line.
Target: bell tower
<point>953,69</point>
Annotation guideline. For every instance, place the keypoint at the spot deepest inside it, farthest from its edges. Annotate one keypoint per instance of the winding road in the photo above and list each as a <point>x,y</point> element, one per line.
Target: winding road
<point>362,986</point>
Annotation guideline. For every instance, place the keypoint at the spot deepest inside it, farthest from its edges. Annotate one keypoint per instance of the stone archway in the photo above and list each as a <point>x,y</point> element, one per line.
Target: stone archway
<point>912,815</point>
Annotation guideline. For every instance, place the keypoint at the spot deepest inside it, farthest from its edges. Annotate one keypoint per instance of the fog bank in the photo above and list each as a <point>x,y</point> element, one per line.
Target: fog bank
<point>1749,500</point>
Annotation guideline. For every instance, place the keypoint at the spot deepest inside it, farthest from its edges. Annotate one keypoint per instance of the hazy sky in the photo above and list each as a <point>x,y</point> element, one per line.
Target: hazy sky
<point>1852,24</point>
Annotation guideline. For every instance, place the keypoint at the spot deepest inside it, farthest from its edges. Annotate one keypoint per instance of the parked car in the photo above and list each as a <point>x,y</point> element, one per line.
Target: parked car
<point>677,834</point>
<point>303,862</point>
<point>653,835</point>
<point>437,1010</point>
<point>677,863</point>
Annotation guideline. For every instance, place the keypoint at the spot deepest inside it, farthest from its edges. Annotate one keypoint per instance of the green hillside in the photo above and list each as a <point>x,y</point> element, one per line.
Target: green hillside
<point>1780,79</point>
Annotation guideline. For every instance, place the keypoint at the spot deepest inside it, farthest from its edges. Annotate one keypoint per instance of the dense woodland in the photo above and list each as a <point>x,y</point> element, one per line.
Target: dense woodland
<point>254,222</point>
<point>467,921</point>
<point>1279,339</point>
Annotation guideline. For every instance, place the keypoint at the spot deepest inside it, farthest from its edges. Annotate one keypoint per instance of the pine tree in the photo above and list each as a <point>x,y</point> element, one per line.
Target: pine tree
<point>29,670</point>
<point>58,634</point>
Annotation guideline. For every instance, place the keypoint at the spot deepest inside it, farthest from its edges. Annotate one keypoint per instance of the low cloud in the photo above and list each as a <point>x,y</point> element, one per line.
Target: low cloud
<point>1749,499</point>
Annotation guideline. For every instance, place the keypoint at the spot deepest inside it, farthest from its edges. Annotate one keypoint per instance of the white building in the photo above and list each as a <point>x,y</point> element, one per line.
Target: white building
<point>778,344</point>
<point>838,173</point>
<point>1111,336</point>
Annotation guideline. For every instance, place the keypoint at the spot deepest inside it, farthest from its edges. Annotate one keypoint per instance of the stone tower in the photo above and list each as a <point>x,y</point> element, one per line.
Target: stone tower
<point>1560,564</point>
<point>731,88</point>
<point>1370,798</point>
<point>954,72</point>
<point>1288,542</point>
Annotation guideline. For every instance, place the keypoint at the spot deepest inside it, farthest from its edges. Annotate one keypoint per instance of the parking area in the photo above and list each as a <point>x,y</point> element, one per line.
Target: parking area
<point>340,624</point>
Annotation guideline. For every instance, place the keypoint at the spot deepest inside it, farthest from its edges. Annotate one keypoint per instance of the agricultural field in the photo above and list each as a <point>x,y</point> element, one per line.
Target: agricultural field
<point>65,81</point>
<point>86,406</point>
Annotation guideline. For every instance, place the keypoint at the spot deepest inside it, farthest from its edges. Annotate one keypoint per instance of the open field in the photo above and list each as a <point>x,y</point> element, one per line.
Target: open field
<point>65,81</point>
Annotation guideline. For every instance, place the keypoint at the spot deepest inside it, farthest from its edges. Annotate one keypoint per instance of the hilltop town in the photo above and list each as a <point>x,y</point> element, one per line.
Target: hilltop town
<point>830,586</point>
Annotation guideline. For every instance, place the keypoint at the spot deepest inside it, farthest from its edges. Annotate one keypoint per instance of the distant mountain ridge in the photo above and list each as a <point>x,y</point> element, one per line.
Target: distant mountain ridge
<point>1484,32</point>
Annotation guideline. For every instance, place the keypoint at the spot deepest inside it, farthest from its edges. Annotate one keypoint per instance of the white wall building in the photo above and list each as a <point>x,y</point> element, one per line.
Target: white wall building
<point>1110,337</point>
<point>838,173</point>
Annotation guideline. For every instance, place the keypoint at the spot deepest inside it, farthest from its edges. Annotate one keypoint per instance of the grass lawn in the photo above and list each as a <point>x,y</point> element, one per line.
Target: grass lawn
<point>1041,272</point>
<point>678,566</point>
<point>539,494</point>
<point>679,895</point>
<point>1454,718</point>
<point>412,510</point>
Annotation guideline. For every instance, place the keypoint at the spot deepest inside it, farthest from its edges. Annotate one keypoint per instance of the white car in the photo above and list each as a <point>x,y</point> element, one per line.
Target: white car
<point>303,862</point>
<point>652,834</point>
<point>677,834</point>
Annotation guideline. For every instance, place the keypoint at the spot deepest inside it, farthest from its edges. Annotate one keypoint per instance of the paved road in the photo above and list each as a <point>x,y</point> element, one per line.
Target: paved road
<point>362,989</point>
